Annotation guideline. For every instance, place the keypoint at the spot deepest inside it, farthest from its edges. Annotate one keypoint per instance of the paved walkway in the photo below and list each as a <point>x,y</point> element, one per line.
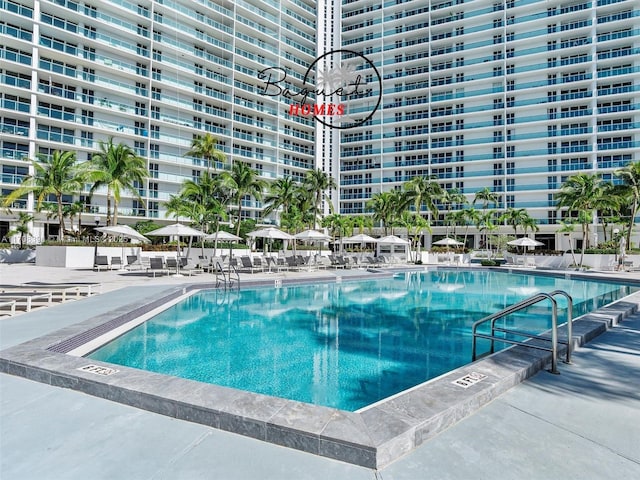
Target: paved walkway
<point>583,424</point>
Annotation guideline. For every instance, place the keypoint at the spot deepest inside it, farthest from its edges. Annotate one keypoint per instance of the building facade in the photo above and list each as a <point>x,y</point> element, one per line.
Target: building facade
<point>152,74</point>
<point>511,95</point>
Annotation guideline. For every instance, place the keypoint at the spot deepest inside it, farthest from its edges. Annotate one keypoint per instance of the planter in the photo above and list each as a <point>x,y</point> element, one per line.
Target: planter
<point>79,257</point>
<point>13,255</point>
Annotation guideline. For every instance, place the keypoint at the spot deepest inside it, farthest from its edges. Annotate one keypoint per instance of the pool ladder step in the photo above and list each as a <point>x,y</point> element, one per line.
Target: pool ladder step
<point>534,341</point>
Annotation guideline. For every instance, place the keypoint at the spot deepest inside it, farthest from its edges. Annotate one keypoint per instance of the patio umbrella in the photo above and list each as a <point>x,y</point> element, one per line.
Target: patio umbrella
<point>525,242</point>
<point>394,240</point>
<point>447,241</point>
<point>225,236</point>
<point>270,233</point>
<point>123,231</point>
<point>361,238</point>
<point>180,230</point>
<point>312,236</point>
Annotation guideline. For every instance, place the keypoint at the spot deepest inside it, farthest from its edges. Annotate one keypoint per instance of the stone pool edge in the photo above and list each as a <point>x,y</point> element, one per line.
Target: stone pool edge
<point>372,437</point>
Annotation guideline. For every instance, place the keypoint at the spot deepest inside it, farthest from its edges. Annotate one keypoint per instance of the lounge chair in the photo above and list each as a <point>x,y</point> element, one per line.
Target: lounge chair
<point>189,268</point>
<point>8,303</point>
<point>156,265</point>
<point>28,298</point>
<point>101,262</point>
<point>116,263</point>
<point>90,287</point>
<point>134,263</point>
<point>172,265</point>
<point>246,265</point>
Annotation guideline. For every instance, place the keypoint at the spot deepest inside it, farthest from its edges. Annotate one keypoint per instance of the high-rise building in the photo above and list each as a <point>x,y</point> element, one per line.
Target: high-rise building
<point>152,74</point>
<point>511,95</point>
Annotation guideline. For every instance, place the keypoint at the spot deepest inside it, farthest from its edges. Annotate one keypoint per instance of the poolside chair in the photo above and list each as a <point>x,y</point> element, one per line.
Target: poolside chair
<point>134,263</point>
<point>172,264</point>
<point>11,304</point>
<point>27,298</point>
<point>116,263</point>
<point>156,265</point>
<point>101,262</point>
<point>246,265</point>
<point>189,268</point>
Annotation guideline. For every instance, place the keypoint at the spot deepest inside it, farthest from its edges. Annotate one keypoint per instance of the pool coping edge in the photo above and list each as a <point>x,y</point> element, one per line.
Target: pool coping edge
<point>372,438</point>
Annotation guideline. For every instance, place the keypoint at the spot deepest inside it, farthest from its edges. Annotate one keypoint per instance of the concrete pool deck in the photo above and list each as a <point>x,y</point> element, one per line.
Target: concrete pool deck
<point>583,423</point>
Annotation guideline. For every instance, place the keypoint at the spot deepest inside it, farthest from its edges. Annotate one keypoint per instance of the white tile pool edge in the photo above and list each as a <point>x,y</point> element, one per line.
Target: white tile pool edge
<point>372,438</point>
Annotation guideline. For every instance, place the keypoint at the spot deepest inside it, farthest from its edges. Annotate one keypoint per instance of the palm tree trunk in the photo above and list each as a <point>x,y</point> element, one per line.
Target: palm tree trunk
<point>239,216</point>
<point>115,212</point>
<point>60,217</point>
<point>108,206</point>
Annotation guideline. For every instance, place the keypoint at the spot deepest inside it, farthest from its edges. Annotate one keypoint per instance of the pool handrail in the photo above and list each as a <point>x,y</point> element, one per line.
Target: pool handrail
<point>527,302</point>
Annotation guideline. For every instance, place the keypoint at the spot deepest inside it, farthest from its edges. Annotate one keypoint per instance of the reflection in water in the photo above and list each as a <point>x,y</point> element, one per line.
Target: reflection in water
<point>341,345</point>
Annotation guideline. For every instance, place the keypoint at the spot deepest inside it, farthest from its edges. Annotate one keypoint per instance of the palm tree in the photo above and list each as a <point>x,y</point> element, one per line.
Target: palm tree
<point>205,147</point>
<point>119,169</point>
<point>24,219</point>
<point>567,228</point>
<point>362,222</point>
<point>384,206</point>
<point>449,198</point>
<point>422,190</point>
<point>630,176</point>
<point>209,192</point>
<point>282,194</point>
<point>581,193</point>
<point>72,210</point>
<point>516,217</point>
<point>318,182</point>
<point>339,226</point>
<point>56,175</point>
<point>486,196</point>
<point>242,180</point>
<point>415,224</point>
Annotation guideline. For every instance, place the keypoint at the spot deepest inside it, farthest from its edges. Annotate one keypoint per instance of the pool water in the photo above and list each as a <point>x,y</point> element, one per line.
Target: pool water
<point>343,345</point>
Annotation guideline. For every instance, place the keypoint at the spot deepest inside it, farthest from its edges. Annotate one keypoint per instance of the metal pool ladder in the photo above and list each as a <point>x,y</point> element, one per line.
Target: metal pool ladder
<point>225,279</point>
<point>539,297</point>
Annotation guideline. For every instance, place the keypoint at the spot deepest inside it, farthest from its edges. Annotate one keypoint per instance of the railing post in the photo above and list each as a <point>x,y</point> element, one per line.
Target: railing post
<point>554,336</point>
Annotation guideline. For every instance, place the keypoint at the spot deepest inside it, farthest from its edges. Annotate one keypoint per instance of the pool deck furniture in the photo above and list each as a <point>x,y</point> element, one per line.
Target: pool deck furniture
<point>591,408</point>
<point>58,291</point>
<point>156,265</point>
<point>81,288</point>
<point>134,263</point>
<point>8,303</point>
<point>101,262</point>
<point>27,298</point>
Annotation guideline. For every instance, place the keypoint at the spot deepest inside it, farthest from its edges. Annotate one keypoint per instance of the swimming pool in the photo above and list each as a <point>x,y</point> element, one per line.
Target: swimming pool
<point>342,345</point>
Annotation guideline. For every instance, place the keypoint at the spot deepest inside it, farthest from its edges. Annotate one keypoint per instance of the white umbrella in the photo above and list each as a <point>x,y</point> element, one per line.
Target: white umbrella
<point>180,230</point>
<point>312,235</point>
<point>271,233</point>
<point>392,240</point>
<point>224,236</point>
<point>360,238</point>
<point>525,242</point>
<point>447,241</point>
<point>123,231</point>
